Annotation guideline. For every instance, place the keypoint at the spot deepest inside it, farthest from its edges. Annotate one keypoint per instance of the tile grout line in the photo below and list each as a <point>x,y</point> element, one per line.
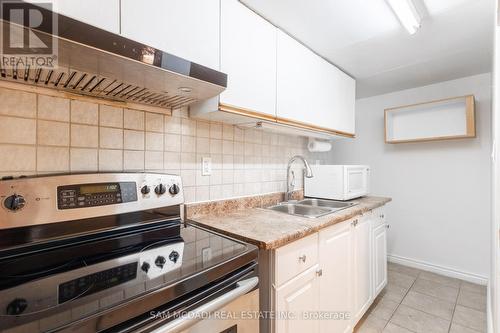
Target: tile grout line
<point>455,307</point>
<point>401,302</point>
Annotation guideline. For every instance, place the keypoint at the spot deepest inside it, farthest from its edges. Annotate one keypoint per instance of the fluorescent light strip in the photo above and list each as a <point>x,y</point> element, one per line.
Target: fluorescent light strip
<point>406,13</point>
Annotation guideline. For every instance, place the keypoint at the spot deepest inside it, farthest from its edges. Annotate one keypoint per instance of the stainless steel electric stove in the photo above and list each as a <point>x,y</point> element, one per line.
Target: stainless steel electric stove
<point>109,252</point>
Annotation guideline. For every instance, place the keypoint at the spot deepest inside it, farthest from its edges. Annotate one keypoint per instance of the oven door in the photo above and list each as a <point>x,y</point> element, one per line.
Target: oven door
<point>356,181</point>
<point>226,306</point>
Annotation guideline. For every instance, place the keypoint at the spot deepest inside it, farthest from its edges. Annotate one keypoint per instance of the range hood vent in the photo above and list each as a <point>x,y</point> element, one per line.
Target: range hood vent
<point>98,63</point>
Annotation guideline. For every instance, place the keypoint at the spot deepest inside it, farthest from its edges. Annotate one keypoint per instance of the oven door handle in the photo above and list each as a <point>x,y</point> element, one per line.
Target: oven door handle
<point>196,315</point>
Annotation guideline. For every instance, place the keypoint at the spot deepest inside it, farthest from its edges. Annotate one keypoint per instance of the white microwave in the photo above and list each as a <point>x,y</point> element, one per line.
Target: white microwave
<point>338,182</point>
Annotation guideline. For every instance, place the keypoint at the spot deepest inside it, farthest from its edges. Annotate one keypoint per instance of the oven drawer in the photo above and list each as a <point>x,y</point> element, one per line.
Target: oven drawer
<point>295,258</point>
<point>245,304</point>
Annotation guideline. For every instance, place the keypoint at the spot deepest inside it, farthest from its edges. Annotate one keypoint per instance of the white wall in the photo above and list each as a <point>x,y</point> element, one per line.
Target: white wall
<point>441,209</point>
<point>494,293</point>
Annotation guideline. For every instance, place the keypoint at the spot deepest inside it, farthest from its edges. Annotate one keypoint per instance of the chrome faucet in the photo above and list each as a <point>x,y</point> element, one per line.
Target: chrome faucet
<point>290,185</point>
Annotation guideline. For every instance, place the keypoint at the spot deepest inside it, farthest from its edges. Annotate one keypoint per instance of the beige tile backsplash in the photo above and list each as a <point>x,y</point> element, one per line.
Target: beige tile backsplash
<point>43,134</point>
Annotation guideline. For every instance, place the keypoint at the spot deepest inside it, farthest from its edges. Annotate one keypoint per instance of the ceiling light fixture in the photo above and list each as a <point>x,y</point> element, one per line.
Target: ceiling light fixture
<point>407,14</point>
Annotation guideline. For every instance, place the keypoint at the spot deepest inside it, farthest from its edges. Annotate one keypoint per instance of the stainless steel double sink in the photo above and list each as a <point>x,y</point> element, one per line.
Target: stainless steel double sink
<point>311,208</point>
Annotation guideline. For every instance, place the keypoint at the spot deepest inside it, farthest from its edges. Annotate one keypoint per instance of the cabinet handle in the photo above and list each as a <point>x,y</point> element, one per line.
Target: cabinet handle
<point>387,226</point>
<point>382,216</point>
<point>355,222</point>
<point>302,258</point>
<point>319,272</point>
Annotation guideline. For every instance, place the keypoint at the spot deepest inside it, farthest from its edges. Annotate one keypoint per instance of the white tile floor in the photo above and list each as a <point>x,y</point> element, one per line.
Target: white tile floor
<point>419,301</point>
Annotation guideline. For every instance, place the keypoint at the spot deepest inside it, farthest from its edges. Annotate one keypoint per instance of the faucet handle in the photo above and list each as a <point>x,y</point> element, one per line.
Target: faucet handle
<point>292,183</point>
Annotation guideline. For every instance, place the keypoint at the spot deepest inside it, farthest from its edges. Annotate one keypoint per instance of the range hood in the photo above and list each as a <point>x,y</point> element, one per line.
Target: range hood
<point>98,63</point>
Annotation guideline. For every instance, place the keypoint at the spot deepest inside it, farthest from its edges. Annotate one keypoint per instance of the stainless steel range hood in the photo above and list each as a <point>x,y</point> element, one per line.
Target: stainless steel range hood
<point>98,63</point>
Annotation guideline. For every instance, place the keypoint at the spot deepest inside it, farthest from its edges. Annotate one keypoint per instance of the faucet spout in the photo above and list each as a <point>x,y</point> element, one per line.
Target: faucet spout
<point>308,173</point>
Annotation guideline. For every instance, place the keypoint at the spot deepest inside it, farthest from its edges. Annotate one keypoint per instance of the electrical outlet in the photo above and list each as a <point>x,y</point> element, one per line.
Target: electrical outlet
<point>206,166</point>
<point>206,255</point>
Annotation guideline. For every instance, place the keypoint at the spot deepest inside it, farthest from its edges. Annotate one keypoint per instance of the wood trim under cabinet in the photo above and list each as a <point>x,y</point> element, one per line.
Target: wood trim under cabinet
<point>245,112</point>
<point>315,128</point>
<point>469,115</point>
<point>293,123</point>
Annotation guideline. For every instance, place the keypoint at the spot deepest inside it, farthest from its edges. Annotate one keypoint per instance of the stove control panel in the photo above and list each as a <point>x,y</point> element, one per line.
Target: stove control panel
<point>100,194</point>
<point>49,199</point>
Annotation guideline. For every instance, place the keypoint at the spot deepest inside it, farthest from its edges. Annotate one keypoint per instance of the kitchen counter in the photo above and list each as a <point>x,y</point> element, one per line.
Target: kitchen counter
<point>270,229</point>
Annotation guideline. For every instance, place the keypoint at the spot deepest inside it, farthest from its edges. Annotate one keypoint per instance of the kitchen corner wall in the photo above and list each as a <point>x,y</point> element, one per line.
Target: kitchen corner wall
<point>441,210</point>
<point>42,134</point>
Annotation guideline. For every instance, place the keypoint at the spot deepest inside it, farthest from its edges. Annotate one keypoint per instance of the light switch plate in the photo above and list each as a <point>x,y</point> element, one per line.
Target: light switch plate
<point>206,166</point>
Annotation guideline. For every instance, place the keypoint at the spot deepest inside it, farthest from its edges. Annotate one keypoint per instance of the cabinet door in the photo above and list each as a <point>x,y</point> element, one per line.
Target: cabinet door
<point>335,246</point>
<point>310,89</point>
<point>298,70</point>
<point>248,56</point>
<point>297,297</point>
<point>362,267</point>
<point>102,14</point>
<point>379,258</point>
<point>344,98</point>
<point>185,28</point>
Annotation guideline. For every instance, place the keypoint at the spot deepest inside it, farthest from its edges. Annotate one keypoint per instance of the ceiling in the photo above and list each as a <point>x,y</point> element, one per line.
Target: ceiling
<point>365,39</point>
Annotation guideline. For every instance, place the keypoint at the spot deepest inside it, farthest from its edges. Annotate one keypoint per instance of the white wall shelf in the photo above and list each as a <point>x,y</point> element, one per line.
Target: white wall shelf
<point>445,119</point>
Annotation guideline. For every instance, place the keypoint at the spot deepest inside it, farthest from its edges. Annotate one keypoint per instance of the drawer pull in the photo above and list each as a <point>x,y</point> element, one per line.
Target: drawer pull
<point>387,226</point>
<point>355,222</point>
<point>382,216</point>
<point>319,272</point>
<point>302,258</point>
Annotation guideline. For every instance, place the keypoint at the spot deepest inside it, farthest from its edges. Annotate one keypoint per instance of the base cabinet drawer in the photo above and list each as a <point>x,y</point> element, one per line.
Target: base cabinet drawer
<point>378,215</point>
<point>294,258</point>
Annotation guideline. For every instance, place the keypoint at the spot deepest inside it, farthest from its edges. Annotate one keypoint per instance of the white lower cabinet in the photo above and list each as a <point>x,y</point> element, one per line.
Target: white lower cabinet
<point>335,284</point>
<point>298,298</point>
<point>336,272</point>
<point>379,250</point>
<point>362,268</point>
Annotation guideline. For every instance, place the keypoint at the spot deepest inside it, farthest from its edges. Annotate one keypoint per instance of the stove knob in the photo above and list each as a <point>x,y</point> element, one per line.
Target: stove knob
<point>145,189</point>
<point>14,202</point>
<point>160,261</point>
<point>17,306</point>
<point>174,189</point>
<point>145,266</point>
<point>174,256</point>
<point>160,189</point>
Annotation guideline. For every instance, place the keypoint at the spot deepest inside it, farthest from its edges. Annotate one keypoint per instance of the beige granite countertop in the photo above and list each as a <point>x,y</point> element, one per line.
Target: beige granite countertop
<point>270,229</point>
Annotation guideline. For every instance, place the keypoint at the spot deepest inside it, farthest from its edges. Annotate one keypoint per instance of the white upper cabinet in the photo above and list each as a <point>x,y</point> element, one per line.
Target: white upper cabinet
<point>312,91</point>
<point>344,103</point>
<point>102,14</point>
<point>248,56</point>
<point>188,29</point>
